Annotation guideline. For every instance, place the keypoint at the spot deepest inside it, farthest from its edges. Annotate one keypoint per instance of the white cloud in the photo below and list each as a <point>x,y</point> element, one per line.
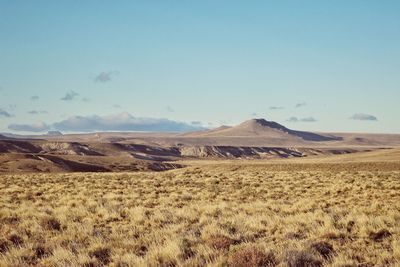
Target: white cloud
<point>307,119</point>
<point>71,95</point>
<point>302,104</point>
<point>35,112</point>
<point>121,122</point>
<point>363,117</point>
<point>104,76</point>
<point>169,109</point>
<point>4,113</point>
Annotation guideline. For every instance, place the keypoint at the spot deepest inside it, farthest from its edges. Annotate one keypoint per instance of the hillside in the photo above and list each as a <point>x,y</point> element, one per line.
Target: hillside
<point>263,128</point>
<point>135,151</point>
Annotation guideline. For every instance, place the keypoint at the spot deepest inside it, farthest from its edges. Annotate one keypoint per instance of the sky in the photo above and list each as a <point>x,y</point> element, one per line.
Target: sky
<point>77,66</point>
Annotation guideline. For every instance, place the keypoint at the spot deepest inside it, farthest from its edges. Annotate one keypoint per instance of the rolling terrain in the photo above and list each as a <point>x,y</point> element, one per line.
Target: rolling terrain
<point>329,211</point>
<point>107,152</point>
<point>318,200</point>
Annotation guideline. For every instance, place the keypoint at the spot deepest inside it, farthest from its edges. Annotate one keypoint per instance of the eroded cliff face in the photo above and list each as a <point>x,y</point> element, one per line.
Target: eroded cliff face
<point>254,152</point>
<point>52,156</point>
<point>237,152</point>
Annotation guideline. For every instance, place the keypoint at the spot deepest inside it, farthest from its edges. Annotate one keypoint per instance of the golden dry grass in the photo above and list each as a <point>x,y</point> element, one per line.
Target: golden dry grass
<point>226,215</point>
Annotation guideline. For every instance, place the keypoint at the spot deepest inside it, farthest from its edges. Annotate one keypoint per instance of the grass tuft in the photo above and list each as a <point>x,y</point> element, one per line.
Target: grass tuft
<point>102,254</point>
<point>379,235</point>
<point>51,223</point>
<point>325,249</point>
<point>300,258</point>
<point>251,256</point>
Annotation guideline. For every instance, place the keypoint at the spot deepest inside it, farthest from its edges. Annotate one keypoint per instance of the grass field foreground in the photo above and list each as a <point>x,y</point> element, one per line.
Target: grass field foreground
<point>227,215</point>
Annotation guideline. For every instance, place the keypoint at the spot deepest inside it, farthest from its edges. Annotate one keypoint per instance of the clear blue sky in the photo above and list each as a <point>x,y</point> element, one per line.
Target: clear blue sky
<point>214,62</point>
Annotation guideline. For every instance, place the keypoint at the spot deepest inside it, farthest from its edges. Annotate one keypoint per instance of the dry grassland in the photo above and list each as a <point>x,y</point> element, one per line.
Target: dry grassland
<point>227,215</point>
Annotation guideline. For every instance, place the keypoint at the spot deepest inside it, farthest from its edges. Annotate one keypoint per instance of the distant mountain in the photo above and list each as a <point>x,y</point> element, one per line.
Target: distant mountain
<point>262,128</point>
<point>2,137</point>
<point>8,136</point>
<point>54,133</point>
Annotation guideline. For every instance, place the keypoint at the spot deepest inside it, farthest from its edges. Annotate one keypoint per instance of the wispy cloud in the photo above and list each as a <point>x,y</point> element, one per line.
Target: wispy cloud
<point>105,76</point>
<point>363,117</point>
<point>293,119</point>
<point>299,105</point>
<point>169,109</point>
<point>275,108</point>
<point>35,112</point>
<point>307,119</point>
<point>4,113</point>
<point>86,99</point>
<point>224,122</point>
<point>34,98</point>
<point>36,127</point>
<point>197,123</point>
<point>71,95</point>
